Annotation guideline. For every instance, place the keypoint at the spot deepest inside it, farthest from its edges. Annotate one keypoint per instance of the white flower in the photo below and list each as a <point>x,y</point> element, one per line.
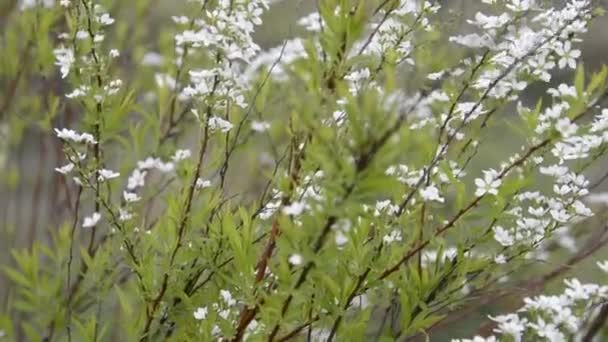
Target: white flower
<point>91,221</point>
<point>181,155</point>
<point>130,197</point>
<point>510,324</point>
<point>554,170</point>
<point>566,127</point>
<point>387,207</point>
<point>566,318</point>
<point>578,291</point>
<point>500,259</point>
<point>180,19</point>
<point>82,34</point>
<point>202,183</point>
<point>224,314</point>
<point>521,5</point>
<point>489,184</point>
<point>65,169</point>
<point>490,22</point>
<point>395,235</point>
<point>68,134</point>
<point>136,179</point>
<point>148,163</point>
<point>431,193</point>
<point>78,92</point>
<point>227,297</point>
<point>124,215</point>
<point>216,123</point>
<point>106,20</point>
<point>64,59</point>
<point>164,167</point>
<point>295,259</point>
<point>341,239</point>
<point>200,313</point>
<point>311,22</point>
<point>548,330</point>
<point>435,75</point>
<point>105,174</point>
<point>114,53</point>
<point>503,237</point>
<point>260,126</point>
<point>581,209</point>
<point>603,265</point>
<point>567,55</point>
<point>563,90</point>
<point>294,209</point>
<point>65,3</point>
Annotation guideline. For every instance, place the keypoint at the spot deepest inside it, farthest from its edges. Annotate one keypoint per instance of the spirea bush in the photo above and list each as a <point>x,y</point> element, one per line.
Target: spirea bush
<point>378,174</point>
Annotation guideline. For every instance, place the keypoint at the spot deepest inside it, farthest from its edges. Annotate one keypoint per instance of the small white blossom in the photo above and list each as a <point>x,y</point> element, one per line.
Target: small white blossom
<point>91,221</point>
<point>489,184</point>
<point>64,59</point>
<point>181,155</point>
<point>567,55</point>
<point>503,237</point>
<point>547,330</point>
<point>82,34</point>
<point>136,179</point>
<point>124,215</point>
<point>510,325</point>
<point>500,259</point>
<point>164,167</point>
<point>260,126</point>
<point>566,127</point>
<point>65,169</point>
<point>296,259</point>
<point>431,193</point>
<point>395,235</point>
<point>294,209</point>
<point>341,239</point>
<point>217,123</point>
<point>202,183</point>
<point>70,135</point>
<point>603,265</point>
<point>106,20</point>
<point>227,297</point>
<point>105,174</point>
<point>200,313</point>
<point>130,197</point>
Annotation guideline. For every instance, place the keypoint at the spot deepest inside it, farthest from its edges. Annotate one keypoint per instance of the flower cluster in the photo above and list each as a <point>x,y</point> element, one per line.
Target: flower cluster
<point>552,318</point>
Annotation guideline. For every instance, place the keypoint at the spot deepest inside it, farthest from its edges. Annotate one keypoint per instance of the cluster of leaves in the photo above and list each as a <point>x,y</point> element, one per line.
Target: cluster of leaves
<point>213,190</point>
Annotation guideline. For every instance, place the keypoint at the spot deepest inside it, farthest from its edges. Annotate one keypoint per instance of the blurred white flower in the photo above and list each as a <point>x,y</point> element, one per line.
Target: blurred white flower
<point>65,169</point>
<point>296,259</point>
<point>489,184</point>
<point>91,221</point>
<point>201,313</point>
<point>105,174</point>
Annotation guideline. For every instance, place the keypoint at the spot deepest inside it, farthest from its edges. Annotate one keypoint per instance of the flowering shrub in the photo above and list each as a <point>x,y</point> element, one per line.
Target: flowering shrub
<point>356,182</point>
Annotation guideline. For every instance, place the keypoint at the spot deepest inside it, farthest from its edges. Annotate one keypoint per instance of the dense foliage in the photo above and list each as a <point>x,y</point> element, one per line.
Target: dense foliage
<point>375,176</point>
